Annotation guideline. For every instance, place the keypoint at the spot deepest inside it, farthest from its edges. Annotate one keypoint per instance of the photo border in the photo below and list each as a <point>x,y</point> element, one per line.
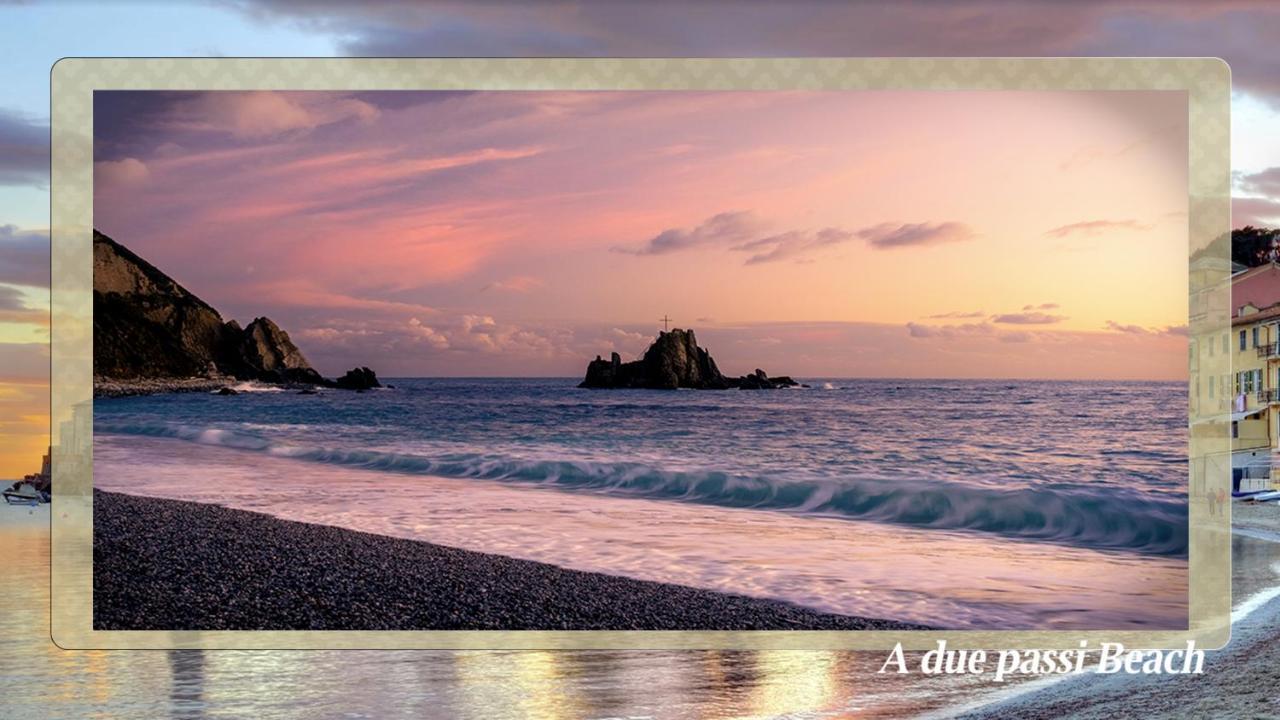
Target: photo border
<point>1205,81</point>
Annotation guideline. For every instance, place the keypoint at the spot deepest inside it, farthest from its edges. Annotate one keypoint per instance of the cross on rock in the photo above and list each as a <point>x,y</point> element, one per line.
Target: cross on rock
<point>664,320</point>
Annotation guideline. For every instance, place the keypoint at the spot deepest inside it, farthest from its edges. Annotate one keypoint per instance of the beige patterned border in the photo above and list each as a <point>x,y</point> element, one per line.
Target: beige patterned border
<point>1205,81</point>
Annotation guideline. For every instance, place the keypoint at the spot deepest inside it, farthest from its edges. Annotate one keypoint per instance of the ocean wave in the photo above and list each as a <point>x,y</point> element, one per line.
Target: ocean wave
<point>1103,518</point>
<point>250,386</point>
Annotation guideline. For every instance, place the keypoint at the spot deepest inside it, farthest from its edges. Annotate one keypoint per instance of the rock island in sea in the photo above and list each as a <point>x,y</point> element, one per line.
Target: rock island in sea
<point>672,362</point>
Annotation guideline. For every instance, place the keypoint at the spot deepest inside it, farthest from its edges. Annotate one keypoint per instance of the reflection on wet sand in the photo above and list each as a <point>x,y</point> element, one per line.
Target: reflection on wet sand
<point>186,696</point>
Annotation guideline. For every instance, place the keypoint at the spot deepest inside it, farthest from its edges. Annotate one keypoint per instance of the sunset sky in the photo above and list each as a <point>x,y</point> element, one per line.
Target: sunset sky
<point>35,34</point>
<point>962,234</point>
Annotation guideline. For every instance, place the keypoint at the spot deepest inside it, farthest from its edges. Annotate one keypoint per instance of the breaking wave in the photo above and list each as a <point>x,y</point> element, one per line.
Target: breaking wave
<point>1097,518</point>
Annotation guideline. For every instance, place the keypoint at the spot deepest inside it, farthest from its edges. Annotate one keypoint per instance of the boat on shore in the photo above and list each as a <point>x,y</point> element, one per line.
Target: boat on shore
<point>24,493</point>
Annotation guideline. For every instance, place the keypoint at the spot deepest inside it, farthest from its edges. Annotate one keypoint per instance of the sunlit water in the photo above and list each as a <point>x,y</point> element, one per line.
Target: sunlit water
<point>954,503</point>
<point>42,681</point>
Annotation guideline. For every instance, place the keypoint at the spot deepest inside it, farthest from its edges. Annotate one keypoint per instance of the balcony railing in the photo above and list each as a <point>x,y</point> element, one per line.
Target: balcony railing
<point>1269,396</point>
<point>1269,350</point>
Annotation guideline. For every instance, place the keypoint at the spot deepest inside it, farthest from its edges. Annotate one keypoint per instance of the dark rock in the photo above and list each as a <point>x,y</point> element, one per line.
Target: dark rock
<point>266,353</point>
<point>758,380</point>
<point>673,361</point>
<point>228,391</point>
<point>148,327</point>
<point>361,378</point>
<point>307,391</point>
<point>144,323</point>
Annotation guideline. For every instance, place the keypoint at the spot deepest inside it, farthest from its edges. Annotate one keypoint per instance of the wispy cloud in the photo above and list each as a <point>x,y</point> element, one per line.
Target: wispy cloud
<point>740,231</point>
<point>1174,330</point>
<point>24,151</point>
<point>1041,306</point>
<point>14,308</point>
<point>1027,318</point>
<point>918,330</point>
<point>793,244</point>
<point>1094,227</point>
<point>811,28</point>
<point>267,114</point>
<point>1264,182</point>
<point>516,284</point>
<point>956,315</point>
<point>26,256</point>
<point>121,173</point>
<point>892,235</point>
<point>721,229</point>
<point>1255,211</point>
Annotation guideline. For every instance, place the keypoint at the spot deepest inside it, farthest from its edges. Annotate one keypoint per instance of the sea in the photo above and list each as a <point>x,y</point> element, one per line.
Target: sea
<point>967,504</point>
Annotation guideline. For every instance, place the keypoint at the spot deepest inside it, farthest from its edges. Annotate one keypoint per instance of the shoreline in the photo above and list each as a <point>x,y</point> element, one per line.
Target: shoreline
<point>1234,679</point>
<point>180,565</point>
<point>112,388</point>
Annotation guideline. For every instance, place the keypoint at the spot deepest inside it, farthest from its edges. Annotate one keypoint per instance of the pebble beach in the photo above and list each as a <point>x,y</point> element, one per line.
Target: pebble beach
<point>176,565</point>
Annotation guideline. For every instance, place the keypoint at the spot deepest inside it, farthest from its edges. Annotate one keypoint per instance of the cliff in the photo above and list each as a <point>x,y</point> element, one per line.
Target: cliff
<point>673,361</point>
<point>147,326</point>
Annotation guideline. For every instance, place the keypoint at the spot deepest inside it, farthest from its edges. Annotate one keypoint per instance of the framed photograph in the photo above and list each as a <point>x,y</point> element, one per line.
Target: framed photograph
<point>669,353</point>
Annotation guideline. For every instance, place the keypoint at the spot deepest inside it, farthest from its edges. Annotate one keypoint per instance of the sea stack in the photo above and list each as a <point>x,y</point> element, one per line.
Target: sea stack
<point>673,361</point>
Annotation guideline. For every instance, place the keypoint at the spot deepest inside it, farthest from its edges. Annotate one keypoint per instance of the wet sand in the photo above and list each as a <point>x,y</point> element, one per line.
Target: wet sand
<point>176,565</point>
<point>1238,680</point>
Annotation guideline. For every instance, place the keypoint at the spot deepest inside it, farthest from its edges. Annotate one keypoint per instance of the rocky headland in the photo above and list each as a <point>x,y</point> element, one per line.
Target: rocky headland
<point>150,334</point>
<point>674,361</point>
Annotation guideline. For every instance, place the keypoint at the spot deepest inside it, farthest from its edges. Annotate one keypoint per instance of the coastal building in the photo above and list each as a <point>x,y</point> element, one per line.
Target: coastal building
<point>34,488</point>
<point>1254,384</point>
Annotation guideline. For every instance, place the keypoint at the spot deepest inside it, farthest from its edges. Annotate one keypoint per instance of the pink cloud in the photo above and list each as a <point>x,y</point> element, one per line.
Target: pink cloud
<point>121,173</point>
<point>516,284</point>
<point>266,114</point>
<point>1095,227</point>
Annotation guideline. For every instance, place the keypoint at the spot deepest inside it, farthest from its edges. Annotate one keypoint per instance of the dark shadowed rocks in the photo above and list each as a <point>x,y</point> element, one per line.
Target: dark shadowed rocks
<point>673,361</point>
<point>266,352</point>
<point>147,325</point>
<point>758,380</point>
<point>361,378</point>
<point>148,328</point>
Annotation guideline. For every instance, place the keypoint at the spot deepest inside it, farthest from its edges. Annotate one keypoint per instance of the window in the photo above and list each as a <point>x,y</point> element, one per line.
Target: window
<point>1235,429</point>
<point>1243,337</point>
<point>1246,382</point>
<point>1255,336</point>
<point>1211,384</point>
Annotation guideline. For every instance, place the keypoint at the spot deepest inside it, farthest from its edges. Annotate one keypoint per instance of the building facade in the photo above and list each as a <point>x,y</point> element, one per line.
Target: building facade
<point>1253,388</point>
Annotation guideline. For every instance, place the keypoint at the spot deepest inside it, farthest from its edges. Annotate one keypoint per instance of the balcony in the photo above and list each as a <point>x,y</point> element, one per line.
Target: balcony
<point>1269,396</point>
<point>1269,350</point>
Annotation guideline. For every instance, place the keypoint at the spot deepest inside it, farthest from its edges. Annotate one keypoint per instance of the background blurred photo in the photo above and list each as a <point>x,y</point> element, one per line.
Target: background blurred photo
<point>45,681</point>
